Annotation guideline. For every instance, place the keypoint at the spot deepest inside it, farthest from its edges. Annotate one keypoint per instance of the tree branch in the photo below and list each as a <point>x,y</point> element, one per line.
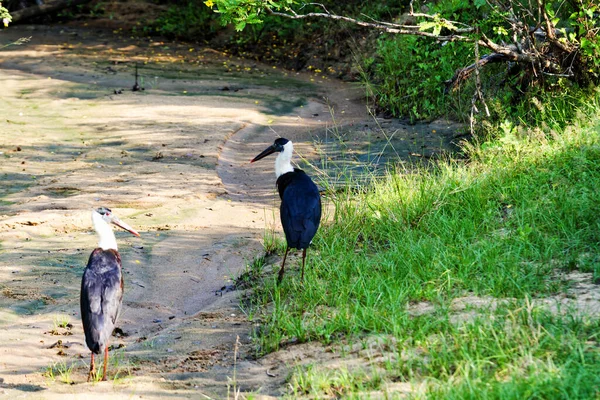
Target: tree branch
<point>462,74</point>
<point>550,33</point>
<point>386,27</point>
<point>510,54</point>
<point>523,50</point>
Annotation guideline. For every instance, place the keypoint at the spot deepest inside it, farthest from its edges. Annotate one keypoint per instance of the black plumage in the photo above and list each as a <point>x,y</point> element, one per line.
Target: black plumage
<point>300,209</point>
<point>101,297</point>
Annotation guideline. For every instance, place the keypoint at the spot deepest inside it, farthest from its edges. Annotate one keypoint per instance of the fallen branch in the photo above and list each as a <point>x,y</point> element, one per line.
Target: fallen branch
<point>462,74</point>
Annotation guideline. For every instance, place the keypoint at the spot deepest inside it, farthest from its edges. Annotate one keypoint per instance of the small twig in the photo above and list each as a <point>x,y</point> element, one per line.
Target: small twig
<point>391,24</point>
<point>569,75</point>
<point>236,391</point>
<point>17,42</point>
<point>318,5</point>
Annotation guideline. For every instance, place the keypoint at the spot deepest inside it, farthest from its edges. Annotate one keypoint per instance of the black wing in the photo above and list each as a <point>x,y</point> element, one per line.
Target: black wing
<point>101,296</point>
<point>300,209</point>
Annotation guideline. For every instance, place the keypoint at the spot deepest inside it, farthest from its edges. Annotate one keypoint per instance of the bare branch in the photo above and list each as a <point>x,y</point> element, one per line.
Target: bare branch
<point>544,14</point>
<point>478,90</point>
<point>511,54</point>
<point>467,28</point>
<point>386,27</point>
<point>550,32</point>
<point>464,73</point>
<point>316,4</point>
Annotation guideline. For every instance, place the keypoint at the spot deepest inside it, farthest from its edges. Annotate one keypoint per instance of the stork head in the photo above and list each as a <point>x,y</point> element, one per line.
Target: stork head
<point>104,216</point>
<point>283,163</point>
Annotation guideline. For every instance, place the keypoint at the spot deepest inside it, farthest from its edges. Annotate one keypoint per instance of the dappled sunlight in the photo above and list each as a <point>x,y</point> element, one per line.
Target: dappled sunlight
<point>169,275</point>
<point>173,162</point>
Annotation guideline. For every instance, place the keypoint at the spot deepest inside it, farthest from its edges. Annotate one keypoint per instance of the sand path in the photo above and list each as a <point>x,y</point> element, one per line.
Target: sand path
<point>172,161</point>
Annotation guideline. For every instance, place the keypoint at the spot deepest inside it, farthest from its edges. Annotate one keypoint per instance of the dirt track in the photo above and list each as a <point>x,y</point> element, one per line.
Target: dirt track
<point>172,161</point>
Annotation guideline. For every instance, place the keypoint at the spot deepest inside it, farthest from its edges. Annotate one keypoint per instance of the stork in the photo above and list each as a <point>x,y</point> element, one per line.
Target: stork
<point>102,287</point>
<point>300,209</point>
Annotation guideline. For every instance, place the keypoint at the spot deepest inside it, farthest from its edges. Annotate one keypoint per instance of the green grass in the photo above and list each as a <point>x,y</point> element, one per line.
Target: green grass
<point>119,368</point>
<point>501,224</point>
<point>60,371</point>
<point>61,321</point>
<point>522,352</point>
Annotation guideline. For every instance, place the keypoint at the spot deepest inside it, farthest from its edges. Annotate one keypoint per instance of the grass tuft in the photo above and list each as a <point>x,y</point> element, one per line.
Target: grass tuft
<point>60,371</point>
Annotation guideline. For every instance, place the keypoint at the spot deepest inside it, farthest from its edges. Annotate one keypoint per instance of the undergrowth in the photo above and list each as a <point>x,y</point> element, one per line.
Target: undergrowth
<point>409,76</point>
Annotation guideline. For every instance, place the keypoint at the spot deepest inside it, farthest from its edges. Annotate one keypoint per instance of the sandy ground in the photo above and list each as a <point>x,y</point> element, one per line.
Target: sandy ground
<point>172,161</point>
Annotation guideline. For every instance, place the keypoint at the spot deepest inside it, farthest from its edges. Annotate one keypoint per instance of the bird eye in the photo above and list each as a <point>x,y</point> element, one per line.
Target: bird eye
<point>103,211</point>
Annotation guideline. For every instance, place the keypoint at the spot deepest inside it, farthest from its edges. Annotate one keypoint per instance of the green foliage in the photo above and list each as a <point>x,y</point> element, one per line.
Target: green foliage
<point>189,20</point>
<point>241,13</point>
<point>585,23</point>
<point>5,16</point>
<point>408,77</point>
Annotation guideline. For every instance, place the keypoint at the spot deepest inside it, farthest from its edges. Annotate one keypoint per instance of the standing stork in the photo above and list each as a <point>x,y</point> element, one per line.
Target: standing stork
<point>102,287</point>
<point>300,209</point>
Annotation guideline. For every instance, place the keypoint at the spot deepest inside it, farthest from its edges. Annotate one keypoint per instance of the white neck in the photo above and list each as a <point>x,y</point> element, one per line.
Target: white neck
<point>283,162</point>
<point>105,232</point>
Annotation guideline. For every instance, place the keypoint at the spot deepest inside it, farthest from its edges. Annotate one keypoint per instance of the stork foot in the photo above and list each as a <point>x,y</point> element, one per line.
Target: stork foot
<point>303,262</point>
<point>92,373</point>
<point>282,270</point>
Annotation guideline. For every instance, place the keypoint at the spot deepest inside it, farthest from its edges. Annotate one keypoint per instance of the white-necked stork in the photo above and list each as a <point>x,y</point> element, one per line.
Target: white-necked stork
<point>300,209</point>
<point>102,287</point>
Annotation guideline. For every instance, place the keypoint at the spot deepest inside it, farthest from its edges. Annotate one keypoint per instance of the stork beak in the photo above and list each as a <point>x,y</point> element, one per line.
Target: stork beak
<point>270,150</point>
<point>123,225</point>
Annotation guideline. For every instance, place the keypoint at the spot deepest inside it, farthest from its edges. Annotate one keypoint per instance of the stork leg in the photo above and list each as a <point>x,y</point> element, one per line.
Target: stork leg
<point>105,362</point>
<point>92,368</point>
<point>303,260</point>
<point>282,270</point>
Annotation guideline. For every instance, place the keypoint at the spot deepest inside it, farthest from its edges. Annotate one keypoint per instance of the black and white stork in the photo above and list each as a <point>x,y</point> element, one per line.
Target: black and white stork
<point>102,287</point>
<point>300,209</point>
